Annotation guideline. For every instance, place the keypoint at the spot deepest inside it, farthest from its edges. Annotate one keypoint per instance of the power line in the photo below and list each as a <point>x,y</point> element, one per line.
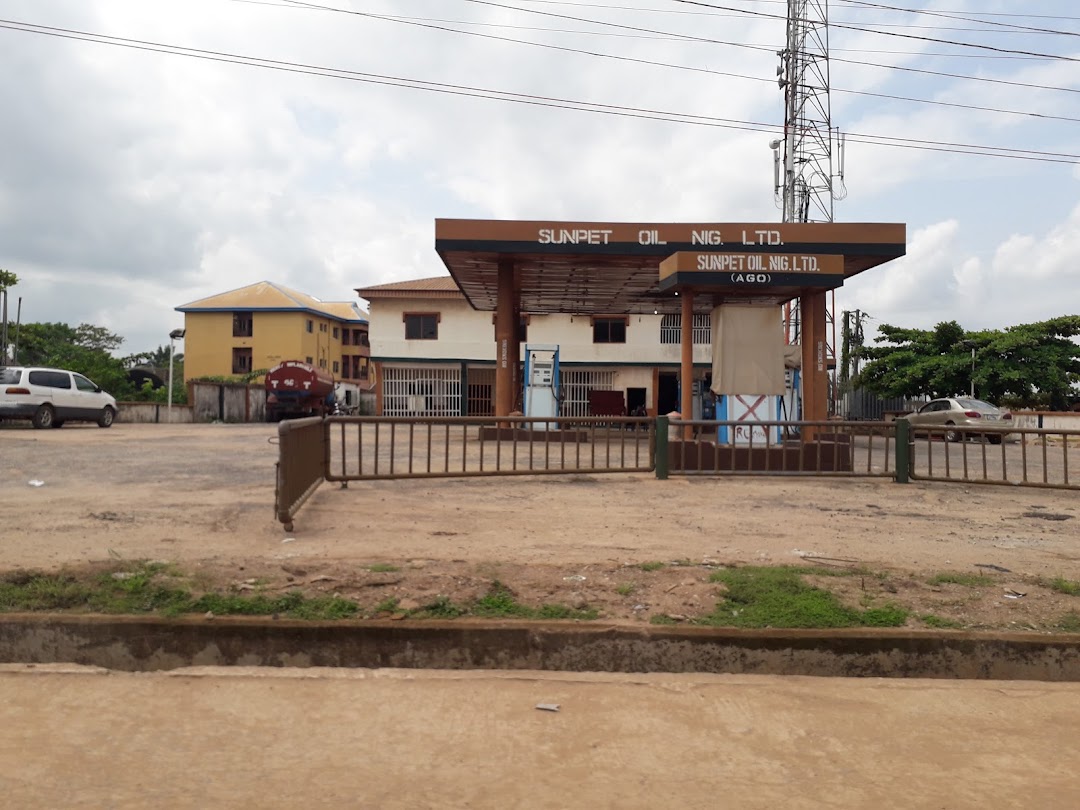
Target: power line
<point>854,3</point>
<point>959,44</point>
<point>947,11</point>
<point>687,37</point>
<point>521,98</point>
<point>958,16</point>
<point>419,22</point>
<point>771,50</point>
<point>672,37</point>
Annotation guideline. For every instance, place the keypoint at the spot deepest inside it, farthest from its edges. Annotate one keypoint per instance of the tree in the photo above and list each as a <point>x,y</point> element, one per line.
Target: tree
<point>84,349</point>
<point>1034,364</point>
<point>158,358</point>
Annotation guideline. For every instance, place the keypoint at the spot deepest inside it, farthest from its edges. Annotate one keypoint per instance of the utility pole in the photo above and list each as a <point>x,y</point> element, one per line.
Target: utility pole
<point>804,181</point>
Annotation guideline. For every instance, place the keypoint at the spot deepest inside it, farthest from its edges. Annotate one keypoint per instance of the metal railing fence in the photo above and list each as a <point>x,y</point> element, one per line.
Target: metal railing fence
<point>777,448</point>
<point>379,448</point>
<point>1032,457</point>
<point>301,465</point>
<point>368,448</point>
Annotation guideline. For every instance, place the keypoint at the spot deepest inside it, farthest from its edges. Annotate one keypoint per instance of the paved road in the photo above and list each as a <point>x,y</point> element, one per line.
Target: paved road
<point>410,739</point>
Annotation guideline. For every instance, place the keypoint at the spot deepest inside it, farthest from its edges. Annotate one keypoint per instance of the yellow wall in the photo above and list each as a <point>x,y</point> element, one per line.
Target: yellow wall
<point>276,336</point>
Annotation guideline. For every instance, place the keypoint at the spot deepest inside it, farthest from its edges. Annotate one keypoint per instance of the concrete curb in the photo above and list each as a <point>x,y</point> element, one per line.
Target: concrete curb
<point>140,644</point>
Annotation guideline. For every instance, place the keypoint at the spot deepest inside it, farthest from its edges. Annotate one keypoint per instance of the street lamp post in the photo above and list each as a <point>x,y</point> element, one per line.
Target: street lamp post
<point>174,335</point>
<point>970,344</point>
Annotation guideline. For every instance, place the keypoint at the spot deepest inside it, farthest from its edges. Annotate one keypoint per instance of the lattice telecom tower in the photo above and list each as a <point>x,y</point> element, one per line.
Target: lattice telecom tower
<point>804,181</point>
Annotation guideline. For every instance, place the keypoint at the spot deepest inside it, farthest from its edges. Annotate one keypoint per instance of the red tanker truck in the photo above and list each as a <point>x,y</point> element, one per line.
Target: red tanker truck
<point>295,389</point>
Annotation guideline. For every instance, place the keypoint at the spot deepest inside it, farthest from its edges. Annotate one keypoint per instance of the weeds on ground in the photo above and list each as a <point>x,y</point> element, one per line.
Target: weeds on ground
<point>441,607</point>
<point>152,588</point>
<point>383,568</point>
<point>626,588</point>
<point>961,578</point>
<point>779,597</point>
<point>36,591</point>
<point>1065,586</point>
<point>500,602</point>
<point>940,622</point>
<point>155,588</point>
<point>387,605</point>
<point>662,619</point>
<point>1069,623</point>
<point>651,566</point>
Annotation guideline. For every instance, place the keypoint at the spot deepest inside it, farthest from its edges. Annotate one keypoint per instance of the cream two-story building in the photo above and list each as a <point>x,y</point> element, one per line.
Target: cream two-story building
<point>434,355</point>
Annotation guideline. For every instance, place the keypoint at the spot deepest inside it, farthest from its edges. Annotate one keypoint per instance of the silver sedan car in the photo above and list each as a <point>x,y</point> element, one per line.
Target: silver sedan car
<point>951,412</point>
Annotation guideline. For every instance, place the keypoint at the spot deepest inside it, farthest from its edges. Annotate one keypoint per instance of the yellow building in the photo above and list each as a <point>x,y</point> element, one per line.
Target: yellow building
<point>256,327</point>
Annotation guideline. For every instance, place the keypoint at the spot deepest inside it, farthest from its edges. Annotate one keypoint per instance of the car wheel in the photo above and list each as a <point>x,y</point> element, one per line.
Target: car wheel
<point>58,423</point>
<point>993,439</point>
<point>106,418</point>
<point>43,417</point>
<point>952,435</point>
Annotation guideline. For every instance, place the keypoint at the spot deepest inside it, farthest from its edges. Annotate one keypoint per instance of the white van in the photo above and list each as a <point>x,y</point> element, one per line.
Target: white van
<point>48,397</point>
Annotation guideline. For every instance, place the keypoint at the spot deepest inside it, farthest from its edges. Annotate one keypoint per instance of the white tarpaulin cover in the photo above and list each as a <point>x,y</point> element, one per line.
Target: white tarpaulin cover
<point>748,350</point>
<point>793,355</point>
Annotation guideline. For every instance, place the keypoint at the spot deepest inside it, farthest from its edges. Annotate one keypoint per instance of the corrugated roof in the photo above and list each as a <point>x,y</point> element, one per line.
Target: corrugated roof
<point>435,284</point>
<point>266,295</point>
<point>345,310</point>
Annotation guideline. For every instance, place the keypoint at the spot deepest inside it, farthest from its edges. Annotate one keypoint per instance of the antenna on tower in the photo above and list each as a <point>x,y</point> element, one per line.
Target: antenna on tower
<point>804,180</point>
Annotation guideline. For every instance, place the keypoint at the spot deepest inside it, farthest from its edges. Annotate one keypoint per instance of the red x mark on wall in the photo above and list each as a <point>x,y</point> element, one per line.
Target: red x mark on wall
<point>751,409</point>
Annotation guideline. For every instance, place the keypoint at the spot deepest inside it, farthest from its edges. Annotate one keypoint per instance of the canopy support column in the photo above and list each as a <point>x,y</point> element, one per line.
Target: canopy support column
<point>686,375</point>
<point>507,351</point>
<point>815,377</point>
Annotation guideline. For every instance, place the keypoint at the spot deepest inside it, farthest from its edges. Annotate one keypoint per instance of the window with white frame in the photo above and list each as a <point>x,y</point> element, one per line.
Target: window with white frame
<point>671,329</point>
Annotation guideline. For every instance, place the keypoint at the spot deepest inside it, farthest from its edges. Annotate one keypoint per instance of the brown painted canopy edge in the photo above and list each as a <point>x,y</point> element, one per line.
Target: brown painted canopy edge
<point>591,267</point>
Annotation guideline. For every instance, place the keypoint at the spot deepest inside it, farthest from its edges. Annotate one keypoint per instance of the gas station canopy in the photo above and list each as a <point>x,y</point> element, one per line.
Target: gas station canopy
<point>617,267</point>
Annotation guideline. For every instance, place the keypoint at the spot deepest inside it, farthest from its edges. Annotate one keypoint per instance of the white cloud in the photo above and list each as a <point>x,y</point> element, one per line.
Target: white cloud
<point>1029,277</point>
<point>133,182</point>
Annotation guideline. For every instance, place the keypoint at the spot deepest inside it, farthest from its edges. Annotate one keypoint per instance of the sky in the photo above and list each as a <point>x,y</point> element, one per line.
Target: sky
<point>135,179</point>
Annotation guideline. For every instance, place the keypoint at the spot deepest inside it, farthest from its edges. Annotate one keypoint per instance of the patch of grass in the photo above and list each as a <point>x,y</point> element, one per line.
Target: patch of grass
<point>441,607</point>
<point>383,568</point>
<point>500,602</point>
<point>889,615</point>
<point>961,578</point>
<point>292,605</point>
<point>779,597</point>
<point>651,566</point>
<point>1069,623</point>
<point>940,622</point>
<point>626,588</point>
<point>1065,586</point>
<point>387,605</point>
<point>35,591</point>
<point>144,588</point>
<point>326,608</point>
<point>662,618</point>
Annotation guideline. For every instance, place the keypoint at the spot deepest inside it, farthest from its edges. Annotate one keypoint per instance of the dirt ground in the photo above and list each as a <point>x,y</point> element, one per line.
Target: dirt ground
<point>627,545</point>
<point>388,739</point>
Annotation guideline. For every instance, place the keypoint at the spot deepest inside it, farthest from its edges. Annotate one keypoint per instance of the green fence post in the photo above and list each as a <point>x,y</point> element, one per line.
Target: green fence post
<point>903,451</point>
<point>661,447</point>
